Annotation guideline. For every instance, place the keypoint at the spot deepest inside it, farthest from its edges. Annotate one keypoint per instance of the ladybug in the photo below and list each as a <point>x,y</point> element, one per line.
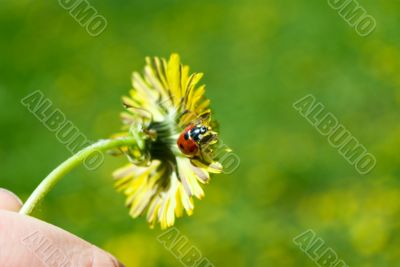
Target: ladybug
<point>190,139</point>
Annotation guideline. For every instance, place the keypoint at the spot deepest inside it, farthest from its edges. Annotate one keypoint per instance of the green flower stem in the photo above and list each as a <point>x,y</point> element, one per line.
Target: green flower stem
<point>55,176</point>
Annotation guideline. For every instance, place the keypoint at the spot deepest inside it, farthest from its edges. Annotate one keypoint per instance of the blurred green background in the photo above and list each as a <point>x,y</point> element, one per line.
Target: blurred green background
<point>258,57</point>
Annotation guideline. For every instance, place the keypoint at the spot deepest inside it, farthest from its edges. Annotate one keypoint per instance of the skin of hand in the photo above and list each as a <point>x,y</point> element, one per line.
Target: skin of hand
<point>26,241</point>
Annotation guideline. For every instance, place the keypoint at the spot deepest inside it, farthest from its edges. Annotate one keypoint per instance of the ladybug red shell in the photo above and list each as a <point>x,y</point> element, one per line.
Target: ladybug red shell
<point>189,140</point>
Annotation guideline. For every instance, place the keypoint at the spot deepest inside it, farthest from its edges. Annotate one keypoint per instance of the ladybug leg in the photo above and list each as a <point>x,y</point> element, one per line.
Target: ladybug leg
<point>203,155</point>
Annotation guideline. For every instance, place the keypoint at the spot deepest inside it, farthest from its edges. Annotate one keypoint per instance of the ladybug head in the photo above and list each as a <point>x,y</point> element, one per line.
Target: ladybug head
<point>203,129</point>
<point>198,132</point>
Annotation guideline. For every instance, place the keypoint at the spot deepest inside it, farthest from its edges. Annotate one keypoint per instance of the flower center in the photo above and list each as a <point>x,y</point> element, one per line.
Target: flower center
<point>163,146</point>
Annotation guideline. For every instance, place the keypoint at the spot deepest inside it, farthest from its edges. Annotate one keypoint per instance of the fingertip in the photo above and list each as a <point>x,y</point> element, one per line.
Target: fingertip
<point>9,201</point>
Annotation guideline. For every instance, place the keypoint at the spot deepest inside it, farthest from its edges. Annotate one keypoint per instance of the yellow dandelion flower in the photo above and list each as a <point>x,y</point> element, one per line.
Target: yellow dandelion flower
<point>169,116</point>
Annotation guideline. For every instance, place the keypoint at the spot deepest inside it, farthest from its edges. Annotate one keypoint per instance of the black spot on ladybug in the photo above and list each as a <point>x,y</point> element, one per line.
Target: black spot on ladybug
<point>192,149</point>
<point>181,146</point>
<point>186,136</point>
